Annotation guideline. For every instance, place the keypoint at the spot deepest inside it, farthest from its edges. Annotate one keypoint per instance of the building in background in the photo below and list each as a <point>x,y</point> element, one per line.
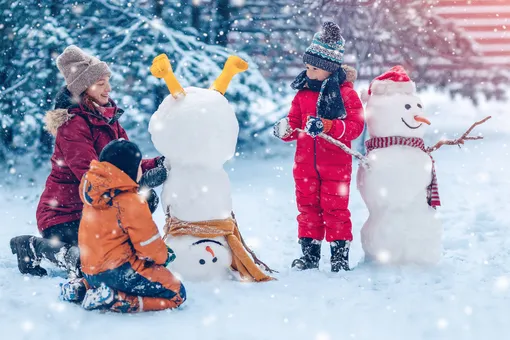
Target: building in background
<point>487,22</point>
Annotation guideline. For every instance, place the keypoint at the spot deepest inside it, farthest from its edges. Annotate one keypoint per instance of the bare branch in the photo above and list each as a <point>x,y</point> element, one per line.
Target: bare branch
<point>460,140</point>
<point>363,160</point>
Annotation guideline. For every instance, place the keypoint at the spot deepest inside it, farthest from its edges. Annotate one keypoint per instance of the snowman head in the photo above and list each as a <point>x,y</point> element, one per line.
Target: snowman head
<point>393,108</point>
<point>195,126</point>
<point>200,259</point>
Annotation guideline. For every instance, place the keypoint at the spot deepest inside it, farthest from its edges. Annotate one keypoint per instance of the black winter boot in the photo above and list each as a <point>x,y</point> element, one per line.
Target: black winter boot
<point>28,261</point>
<point>340,255</point>
<point>35,248</point>
<point>311,254</point>
<point>62,254</point>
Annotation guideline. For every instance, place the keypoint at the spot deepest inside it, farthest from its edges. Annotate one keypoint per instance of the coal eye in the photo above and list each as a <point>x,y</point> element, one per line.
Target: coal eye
<point>419,105</point>
<point>408,107</point>
<point>202,261</point>
<point>214,260</point>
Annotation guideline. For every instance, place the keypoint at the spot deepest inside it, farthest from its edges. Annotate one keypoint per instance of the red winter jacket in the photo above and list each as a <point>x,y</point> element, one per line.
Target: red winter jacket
<point>319,151</point>
<point>80,136</point>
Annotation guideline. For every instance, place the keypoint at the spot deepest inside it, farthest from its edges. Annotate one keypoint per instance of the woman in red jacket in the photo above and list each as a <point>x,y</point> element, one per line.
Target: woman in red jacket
<point>326,103</point>
<point>85,119</point>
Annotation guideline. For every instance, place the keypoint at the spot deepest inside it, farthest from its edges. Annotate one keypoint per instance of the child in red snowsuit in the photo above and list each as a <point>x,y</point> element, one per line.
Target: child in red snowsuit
<point>325,103</point>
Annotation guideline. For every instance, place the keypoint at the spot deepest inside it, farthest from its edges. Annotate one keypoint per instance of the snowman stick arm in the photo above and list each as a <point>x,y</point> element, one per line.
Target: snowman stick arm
<point>465,136</point>
<point>252,253</point>
<point>355,154</point>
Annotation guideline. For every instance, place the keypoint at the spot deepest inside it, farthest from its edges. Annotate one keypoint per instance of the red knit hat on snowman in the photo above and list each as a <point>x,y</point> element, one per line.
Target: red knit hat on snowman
<point>393,81</point>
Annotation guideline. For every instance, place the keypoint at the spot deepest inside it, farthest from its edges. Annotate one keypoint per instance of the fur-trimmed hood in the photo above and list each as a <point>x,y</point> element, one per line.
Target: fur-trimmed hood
<point>60,115</point>
<point>55,119</point>
<point>64,102</point>
<point>351,73</point>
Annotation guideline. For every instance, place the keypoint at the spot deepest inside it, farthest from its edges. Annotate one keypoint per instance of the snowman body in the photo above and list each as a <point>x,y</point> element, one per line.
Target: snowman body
<point>401,228</point>
<point>197,134</point>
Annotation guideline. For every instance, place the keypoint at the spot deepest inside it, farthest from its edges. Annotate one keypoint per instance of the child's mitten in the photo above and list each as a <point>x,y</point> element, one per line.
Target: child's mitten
<point>315,126</point>
<point>171,256</point>
<point>282,128</point>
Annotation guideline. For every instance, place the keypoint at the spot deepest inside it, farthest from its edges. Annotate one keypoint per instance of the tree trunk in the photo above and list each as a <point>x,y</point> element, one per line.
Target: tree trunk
<point>158,8</point>
<point>222,22</point>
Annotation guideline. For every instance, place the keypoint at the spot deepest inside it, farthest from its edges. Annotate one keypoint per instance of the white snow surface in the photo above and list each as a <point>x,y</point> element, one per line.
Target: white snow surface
<point>466,296</point>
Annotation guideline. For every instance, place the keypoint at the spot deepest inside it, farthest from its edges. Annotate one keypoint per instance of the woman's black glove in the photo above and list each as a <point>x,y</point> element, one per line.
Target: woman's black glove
<point>154,177</point>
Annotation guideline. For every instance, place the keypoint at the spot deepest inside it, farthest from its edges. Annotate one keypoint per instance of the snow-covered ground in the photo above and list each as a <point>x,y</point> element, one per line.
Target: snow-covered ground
<point>467,296</point>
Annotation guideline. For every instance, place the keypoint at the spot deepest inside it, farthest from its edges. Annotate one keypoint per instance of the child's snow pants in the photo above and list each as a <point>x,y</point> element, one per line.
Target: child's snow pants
<point>140,287</point>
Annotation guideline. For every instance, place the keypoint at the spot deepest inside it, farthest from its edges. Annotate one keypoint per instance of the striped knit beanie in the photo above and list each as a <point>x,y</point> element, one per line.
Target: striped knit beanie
<point>327,49</point>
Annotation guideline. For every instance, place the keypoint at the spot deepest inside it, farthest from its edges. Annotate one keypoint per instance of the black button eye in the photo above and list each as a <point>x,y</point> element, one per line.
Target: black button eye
<point>408,107</point>
<point>214,260</point>
<point>202,261</point>
<point>419,105</point>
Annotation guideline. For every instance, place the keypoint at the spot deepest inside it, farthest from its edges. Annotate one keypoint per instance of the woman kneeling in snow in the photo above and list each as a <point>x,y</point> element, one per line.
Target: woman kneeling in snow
<point>123,256</point>
<point>85,119</point>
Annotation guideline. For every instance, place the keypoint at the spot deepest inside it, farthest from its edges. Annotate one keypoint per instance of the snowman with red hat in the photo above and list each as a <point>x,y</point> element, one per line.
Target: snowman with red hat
<point>399,183</point>
<point>397,177</point>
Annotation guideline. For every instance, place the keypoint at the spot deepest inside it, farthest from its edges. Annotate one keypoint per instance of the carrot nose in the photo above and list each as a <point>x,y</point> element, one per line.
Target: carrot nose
<point>422,120</point>
<point>209,249</point>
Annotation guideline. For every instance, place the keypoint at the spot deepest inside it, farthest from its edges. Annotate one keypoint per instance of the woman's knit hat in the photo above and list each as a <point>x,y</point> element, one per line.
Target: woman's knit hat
<point>80,70</point>
<point>327,49</point>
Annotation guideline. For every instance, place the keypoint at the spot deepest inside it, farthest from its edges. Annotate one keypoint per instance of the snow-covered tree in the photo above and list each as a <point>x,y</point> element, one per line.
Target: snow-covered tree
<point>125,35</point>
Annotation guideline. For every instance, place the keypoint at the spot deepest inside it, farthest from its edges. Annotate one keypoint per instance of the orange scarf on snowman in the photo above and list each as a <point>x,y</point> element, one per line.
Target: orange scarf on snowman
<point>241,260</point>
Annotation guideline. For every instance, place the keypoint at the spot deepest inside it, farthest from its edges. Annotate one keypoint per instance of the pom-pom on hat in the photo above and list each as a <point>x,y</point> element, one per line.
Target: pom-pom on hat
<point>327,49</point>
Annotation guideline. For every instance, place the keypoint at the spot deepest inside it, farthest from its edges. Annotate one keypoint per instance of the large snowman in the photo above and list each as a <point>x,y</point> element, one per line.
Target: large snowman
<point>399,185</point>
<point>196,130</point>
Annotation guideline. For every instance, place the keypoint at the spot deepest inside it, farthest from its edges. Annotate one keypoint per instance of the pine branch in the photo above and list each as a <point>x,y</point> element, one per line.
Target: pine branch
<point>460,140</point>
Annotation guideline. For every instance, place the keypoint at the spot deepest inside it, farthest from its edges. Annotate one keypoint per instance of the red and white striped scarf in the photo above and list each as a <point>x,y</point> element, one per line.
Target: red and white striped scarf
<point>384,142</point>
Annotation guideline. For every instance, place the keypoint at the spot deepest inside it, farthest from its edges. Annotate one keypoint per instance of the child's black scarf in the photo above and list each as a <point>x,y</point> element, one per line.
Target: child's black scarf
<point>330,104</point>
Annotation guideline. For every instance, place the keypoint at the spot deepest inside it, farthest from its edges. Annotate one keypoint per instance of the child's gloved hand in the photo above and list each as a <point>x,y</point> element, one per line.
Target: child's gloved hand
<point>282,128</point>
<point>315,126</point>
<point>171,256</point>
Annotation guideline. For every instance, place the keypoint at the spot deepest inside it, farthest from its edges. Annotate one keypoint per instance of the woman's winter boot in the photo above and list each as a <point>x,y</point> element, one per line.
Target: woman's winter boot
<point>28,261</point>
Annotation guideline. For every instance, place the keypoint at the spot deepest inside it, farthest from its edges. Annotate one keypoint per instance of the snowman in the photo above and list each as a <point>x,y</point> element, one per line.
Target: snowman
<point>196,130</point>
<point>399,183</point>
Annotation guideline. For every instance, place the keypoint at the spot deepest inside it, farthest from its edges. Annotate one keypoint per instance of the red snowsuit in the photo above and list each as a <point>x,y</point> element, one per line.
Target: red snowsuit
<point>322,171</point>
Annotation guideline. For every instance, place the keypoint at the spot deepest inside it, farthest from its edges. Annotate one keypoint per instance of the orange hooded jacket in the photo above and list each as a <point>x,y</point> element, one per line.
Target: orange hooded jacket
<point>116,225</point>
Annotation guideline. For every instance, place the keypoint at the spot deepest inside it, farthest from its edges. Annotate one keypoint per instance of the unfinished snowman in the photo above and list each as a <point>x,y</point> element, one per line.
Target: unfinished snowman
<point>196,130</point>
<point>398,180</point>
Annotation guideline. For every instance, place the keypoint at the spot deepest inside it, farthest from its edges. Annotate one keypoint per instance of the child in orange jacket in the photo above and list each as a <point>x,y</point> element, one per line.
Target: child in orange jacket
<point>123,257</point>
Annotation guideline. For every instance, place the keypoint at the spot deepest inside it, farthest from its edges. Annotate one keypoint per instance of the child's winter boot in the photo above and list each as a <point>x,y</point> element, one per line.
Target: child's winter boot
<point>311,254</point>
<point>340,255</point>
<point>73,291</point>
<point>102,297</point>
